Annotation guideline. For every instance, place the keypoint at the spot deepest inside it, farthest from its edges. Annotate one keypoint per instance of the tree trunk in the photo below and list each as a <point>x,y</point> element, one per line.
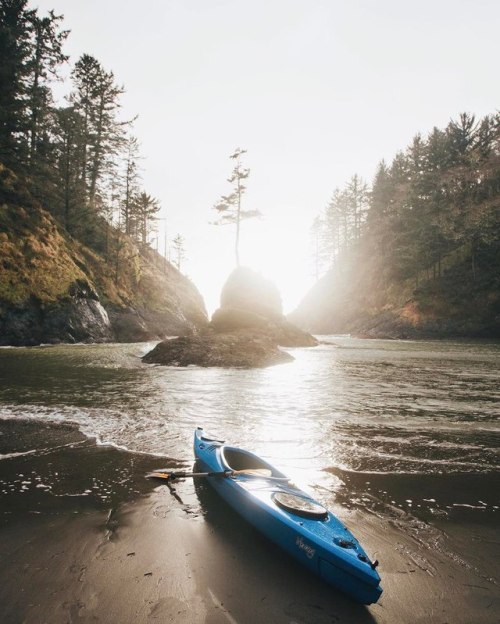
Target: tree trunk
<point>67,191</point>
<point>237,241</point>
<point>34,103</point>
<point>97,155</point>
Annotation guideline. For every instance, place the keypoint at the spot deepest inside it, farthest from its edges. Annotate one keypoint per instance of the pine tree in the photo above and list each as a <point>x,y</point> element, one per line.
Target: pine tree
<point>43,65</point>
<point>380,214</point>
<point>96,98</point>
<point>179,251</point>
<point>229,207</point>
<point>15,48</point>
<point>334,225</point>
<point>317,244</point>
<point>144,213</point>
<point>68,131</point>
<point>356,197</point>
<point>131,179</point>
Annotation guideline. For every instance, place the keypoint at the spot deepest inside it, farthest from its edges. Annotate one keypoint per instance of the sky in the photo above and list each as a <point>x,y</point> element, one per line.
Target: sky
<point>314,90</point>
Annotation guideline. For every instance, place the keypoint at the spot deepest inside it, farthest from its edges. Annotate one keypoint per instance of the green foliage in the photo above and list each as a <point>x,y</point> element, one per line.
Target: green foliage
<point>38,259</point>
<point>442,193</point>
<point>428,254</point>
<point>35,259</point>
<point>143,214</point>
<point>16,30</point>
<point>76,160</point>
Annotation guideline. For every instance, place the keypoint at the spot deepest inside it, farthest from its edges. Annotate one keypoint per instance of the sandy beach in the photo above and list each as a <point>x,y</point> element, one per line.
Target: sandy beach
<point>84,537</point>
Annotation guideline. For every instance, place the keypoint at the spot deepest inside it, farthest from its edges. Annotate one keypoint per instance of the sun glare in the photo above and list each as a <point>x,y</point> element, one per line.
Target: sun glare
<point>280,253</point>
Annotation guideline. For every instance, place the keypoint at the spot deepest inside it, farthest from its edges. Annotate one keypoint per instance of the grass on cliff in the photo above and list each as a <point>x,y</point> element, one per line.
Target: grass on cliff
<point>34,257</point>
<point>39,259</point>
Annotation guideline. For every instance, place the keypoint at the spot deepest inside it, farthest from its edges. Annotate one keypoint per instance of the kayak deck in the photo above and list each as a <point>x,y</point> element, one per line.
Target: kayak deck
<point>290,518</point>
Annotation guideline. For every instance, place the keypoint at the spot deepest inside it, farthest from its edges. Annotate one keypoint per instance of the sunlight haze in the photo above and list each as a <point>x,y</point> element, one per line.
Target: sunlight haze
<point>314,90</point>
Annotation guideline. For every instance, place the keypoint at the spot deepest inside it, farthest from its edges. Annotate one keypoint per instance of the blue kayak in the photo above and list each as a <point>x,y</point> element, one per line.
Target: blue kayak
<point>289,517</point>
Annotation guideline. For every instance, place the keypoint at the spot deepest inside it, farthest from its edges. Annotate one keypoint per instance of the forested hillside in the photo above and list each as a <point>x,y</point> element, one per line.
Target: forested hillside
<point>77,228</point>
<point>418,253</point>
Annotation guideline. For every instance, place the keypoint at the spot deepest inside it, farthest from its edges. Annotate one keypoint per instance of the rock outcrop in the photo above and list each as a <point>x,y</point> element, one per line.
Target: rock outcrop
<point>53,288</point>
<point>277,328</point>
<point>239,349</point>
<point>77,317</point>
<point>250,301</point>
<point>247,290</point>
<point>246,331</point>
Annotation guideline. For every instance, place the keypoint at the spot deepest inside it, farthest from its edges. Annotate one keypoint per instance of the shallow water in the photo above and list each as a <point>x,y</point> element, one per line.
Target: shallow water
<point>349,411</point>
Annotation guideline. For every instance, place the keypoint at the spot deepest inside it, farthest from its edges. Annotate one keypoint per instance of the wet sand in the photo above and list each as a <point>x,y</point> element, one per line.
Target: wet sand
<point>84,537</point>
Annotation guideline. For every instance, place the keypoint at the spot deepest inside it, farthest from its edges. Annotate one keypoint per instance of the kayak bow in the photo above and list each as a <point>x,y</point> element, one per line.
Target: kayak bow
<point>289,517</point>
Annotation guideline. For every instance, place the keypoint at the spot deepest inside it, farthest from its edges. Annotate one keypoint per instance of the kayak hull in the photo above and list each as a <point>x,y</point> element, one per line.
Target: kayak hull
<point>308,532</point>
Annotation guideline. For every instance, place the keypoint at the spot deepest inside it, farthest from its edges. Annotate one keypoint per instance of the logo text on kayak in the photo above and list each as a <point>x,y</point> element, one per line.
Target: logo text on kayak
<point>309,550</point>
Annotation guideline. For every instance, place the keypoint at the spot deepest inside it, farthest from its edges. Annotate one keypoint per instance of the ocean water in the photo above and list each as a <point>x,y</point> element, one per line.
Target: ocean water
<point>403,424</point>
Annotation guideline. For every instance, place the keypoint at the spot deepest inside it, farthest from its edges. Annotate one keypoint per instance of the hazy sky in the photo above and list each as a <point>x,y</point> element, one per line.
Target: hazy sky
<point>315,90</point>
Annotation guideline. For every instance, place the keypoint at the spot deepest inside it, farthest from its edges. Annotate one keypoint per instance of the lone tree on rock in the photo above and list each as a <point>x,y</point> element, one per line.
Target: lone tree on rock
<point>229,206</point>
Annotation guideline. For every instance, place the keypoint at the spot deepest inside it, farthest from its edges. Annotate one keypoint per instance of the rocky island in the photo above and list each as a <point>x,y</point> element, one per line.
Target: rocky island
<point>246,331</point>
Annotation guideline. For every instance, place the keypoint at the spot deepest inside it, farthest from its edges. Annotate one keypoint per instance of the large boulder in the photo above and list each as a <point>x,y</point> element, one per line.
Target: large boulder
<point>245,348</point>
<point>245,289</point>
<point>76,317</point>
<point>249,300</point>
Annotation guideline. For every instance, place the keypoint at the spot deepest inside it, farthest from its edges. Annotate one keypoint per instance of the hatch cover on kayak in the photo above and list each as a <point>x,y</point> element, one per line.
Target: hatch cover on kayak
<point>299,505</point>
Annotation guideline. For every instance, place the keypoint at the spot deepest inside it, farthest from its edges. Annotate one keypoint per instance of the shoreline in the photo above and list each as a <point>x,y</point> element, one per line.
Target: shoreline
<point>474,339</point>
<point>89,539</point>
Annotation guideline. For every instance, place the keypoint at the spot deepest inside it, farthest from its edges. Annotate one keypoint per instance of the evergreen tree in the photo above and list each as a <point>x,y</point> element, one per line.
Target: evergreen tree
<point>356,198</point>
<point>229,207</point>
<point>344,218</point>
<point>472,186</point>
<point>179,251</point>
<point>96,99</point>
<point>145,209</point>
<point>43,64</point>
<point>379,217</point>
<point>334,225</point>
<point>15,48</point>
<point>131,179</point>
<point>439,195</point>
<point>68,131</point>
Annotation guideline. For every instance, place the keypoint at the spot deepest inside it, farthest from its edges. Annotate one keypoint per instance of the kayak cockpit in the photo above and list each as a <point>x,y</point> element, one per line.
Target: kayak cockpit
<point>238,459</point>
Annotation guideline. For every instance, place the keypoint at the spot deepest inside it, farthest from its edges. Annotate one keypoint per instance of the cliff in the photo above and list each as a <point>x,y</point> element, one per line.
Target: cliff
<point>54,288</point>
<point>361,299</point>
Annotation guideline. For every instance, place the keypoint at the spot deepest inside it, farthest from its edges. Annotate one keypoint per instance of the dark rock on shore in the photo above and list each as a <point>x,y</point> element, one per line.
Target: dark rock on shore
<point>140,324</point>
<point>84,319</point>
<point>245,348</point>
<point>78,317</point>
